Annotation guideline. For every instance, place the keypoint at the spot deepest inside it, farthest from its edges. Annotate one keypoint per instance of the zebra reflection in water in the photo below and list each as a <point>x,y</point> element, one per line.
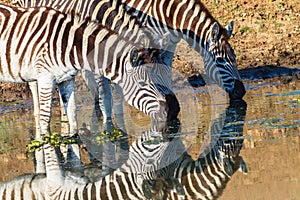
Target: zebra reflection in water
<point>158,167</point>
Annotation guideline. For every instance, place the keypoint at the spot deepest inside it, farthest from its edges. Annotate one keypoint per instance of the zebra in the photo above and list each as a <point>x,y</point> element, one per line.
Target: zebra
<point>190,21</point>
<point>50,47</point>
<point>118,21</point>
<point>158,167</point>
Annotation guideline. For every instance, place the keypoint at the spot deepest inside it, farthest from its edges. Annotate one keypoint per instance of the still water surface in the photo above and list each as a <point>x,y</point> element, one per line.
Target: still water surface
<point>268,130</point>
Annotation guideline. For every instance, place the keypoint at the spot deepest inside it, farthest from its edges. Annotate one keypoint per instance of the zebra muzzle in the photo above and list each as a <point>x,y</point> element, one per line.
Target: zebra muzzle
<point>168,109</point>
<point>238,91</point>
<point>173,107</point>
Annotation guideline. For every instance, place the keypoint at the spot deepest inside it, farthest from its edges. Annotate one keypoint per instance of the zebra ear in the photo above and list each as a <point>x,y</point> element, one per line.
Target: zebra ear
<point>229,28</point>
<point>214,32</point>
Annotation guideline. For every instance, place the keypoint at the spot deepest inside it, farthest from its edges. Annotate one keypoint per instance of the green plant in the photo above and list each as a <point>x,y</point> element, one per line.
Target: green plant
<point>113,136</point>
<point>54,139</point>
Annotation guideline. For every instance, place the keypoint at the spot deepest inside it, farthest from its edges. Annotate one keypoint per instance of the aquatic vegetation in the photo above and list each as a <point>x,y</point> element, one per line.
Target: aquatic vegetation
<point>113,136</point>
<point>54,139</point>
<point>57,140</point>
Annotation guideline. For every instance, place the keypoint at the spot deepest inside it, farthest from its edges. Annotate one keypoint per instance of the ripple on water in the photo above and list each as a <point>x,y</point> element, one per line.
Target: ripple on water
<point>290,93</point>
<point>275,108</point>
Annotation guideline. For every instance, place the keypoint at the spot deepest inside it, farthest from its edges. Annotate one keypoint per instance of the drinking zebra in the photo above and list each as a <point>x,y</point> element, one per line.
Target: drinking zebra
<point>158,167</point>
<point>188,20</point>
<point>44,45</point>
<point>121,23</point>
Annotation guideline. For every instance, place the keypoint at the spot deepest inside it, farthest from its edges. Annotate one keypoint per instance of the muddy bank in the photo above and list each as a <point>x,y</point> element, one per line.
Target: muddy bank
<point>10,92</point>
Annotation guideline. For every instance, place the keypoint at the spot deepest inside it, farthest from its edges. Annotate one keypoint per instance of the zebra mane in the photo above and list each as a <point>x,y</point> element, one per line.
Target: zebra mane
<point>86,22</point>
<point>96,25</point>
<point>223,31</point>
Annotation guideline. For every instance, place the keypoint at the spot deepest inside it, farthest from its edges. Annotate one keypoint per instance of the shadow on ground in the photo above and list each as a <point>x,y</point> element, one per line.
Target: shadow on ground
<point>285,74</point>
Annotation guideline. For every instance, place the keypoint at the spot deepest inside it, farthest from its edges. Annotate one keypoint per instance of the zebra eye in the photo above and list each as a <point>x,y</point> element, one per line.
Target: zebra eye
<point>134,54</point>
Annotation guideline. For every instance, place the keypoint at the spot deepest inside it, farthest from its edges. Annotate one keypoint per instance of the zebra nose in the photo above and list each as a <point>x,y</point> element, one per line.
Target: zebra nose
<point>168,109</point>
<point>173,107</point>
<point>238,91</point>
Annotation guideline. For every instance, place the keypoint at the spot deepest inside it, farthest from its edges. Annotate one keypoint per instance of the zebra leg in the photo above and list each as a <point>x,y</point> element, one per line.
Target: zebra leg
<point>64,122</point>
<point>118,106</point>
<point>66,91</point>
<point>121,147</point>
<point>105,102</point>
<point>45,91</point>
<point>39,155</point>
<point>54,169</point>
<point>55,173</point>
<point>99,88</point>
<point>64,126</point>
<point>92,85</point>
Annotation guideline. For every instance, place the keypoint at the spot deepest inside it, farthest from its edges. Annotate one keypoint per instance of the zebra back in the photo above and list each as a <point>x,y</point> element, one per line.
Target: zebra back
<point>109,13</point>
<point>65,44</point>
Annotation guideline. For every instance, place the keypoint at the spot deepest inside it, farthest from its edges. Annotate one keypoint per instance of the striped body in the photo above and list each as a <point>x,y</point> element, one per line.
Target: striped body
<point>43,44</point>
<point>113,15</point>
<point>157,168</point>
<point>189,20</point>
<point>49,47</point>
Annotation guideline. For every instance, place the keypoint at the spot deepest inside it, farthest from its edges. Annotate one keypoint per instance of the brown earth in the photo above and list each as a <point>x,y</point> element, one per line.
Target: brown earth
<point>267,33</point>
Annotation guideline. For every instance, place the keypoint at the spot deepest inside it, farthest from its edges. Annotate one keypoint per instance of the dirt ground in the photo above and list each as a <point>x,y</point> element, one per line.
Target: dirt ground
<point>266,33</point>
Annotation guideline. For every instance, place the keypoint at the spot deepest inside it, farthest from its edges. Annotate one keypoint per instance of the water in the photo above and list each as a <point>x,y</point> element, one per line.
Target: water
<point>266,167</point>
<point>273,150</point>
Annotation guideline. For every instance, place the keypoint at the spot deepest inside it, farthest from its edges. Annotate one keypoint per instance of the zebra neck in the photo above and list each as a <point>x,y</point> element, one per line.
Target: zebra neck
<point>188,20</point>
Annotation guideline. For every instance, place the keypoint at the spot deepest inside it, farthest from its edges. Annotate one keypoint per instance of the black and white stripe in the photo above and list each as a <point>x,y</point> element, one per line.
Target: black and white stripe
<point>190,20</point>
<point>158,167</point>
<point>44,45</point>
<point>113,15</point>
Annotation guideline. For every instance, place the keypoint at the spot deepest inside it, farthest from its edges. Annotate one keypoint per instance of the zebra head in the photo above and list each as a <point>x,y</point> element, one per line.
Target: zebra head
<point>149,70</point>
<point>161,72</point>
<point>225,72</point>
<point>140,85</point>
<point>231,139</point>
